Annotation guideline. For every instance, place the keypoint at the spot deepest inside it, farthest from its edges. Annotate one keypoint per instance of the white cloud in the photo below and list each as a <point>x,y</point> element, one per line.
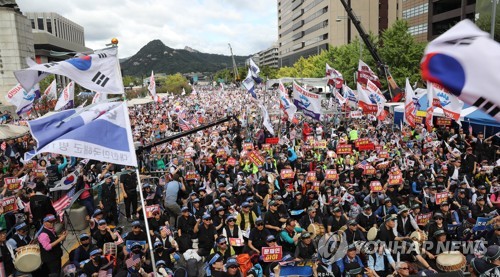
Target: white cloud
<point>205,25</point>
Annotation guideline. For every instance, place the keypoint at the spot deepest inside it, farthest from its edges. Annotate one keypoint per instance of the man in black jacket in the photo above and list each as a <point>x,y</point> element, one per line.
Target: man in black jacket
<point>128,185</point>
<point>5,254</point>
<point>40,205</point>
<point>108,197</point>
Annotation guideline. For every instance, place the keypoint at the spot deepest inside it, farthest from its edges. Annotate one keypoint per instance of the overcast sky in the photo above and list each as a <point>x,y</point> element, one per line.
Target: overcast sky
<point>205,25</point>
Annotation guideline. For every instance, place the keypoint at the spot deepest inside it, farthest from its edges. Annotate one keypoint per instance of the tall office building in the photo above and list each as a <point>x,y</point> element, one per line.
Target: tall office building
<point>305,27</point>
<point>416,13</point>
<point>443,14</point>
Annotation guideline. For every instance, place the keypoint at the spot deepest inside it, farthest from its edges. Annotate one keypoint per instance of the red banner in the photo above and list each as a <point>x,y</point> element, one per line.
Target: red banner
<point>287,174</point>
<point>369,170</point>
<point>423,219</point>
<point>364,147</point>
<point>355,114</point>
<point>256,158</point>
<point>9,204</point>
<point>441,197</point>
<point>344,149</point>
<point>272,254</point>
<point>362,141</point>
<point>151,209</point>
<point>272,140</point>
<point>331,174</point>
<point>311,176</point>
<point>376,186</point>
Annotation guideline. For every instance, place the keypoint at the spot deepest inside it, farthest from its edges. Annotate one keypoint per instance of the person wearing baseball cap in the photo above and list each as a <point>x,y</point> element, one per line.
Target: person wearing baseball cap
<point>223,248</point>
<point>353,233</point>
<point>108,202</point>
<point>82,252</point>
<point>386,231</point>
<point>233,268</point>
<point>215,266</point>
<point>206,235</point>
<point>103,234</point>
<point>366,219</point>
<point>95,263</point>
<point>50,245</point>
<point>480,209</point>
<point>336,221</point>
<point>231,230</point>
<point>258,235</point>
<point>21,237</point>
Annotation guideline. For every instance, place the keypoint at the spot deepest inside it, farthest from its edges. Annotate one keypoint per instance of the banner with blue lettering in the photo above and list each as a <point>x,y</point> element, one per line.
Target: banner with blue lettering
<point>308,102</point>
<point>481,224</point>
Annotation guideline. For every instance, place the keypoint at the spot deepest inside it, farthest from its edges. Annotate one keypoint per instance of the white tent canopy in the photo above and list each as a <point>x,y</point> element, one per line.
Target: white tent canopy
<point>9,131</point>
<point>139,101</point>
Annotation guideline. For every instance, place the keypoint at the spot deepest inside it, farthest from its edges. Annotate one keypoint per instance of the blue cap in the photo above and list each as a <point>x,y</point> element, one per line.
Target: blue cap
<point>222,195</point>
<point>197,200</point>
<point>135,245</point>
<point>136,223</point>
<point>250,198</point>
<point>83,236</point>
<point>245,204</point>
<point>270,238</point>
<point>96,251</point>
<point>102,221</point>
<point>21,226</point>
<point>215,257</point>
<point>221,239</point>
<point>97,212</point>
<point>160,262</point>
<point>157,244</point>
<point>146,185</point>
<point>49,217</point>
<point>206,216</point>
<point>220,208</point>
<point>184,209</point>
<point>231,262</point>
<point>202,189</point>
<point>107,175</point>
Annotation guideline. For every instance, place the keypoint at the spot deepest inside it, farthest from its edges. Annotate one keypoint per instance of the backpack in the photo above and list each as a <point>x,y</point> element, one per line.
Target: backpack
<point>192,268</point>
<point>245,262</point>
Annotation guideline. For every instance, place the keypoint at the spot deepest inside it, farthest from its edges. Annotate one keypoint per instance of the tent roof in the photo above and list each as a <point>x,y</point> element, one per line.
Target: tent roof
<point>469,113</point>
<point>318,82</point>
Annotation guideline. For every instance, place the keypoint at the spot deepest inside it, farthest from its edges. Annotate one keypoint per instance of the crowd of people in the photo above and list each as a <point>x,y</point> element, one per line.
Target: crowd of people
<point>340,197</point>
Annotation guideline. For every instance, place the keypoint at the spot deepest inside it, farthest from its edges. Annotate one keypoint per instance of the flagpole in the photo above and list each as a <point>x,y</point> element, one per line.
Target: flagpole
<point>146,223</point>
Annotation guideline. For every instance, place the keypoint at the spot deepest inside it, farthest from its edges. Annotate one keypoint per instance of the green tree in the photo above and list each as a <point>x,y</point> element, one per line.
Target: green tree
<point>401,53</point>
<point>175,83</point>
<point>128,80</point>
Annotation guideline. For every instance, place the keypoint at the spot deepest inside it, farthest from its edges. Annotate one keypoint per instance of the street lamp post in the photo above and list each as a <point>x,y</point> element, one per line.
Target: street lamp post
<point>494,4</point>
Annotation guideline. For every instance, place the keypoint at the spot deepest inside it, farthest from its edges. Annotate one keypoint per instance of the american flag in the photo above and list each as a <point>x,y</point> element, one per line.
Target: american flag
<point>194,121</point>
<point>132,261</point>
<point>184,125</point>
<point>62,203</point>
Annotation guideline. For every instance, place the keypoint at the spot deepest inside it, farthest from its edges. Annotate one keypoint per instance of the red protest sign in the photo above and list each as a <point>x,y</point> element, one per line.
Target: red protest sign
<point>355,114</point>
<point>369,170</point>
<point>266,146</point>
<point>376,186</point>
<point>365,147</point>
<point>423,219</point>
<point>272,254</point>
<point>441,197</point>
<point>344,149</point>
<point>395,178</point>
<point>272,140</point>
<point>311,176</point>
<point>151,209</point>
<point>256,158</point>
<point>12,183</point>
<point>331,174</point>
<point>248,146</point>
<point>191,175</point>
<point>383,155</point>
<point>9,204</point>
<point>287,174</point>
<point>231,161</point>
<point>320,144</point>
<point>236,242</point>
<point>362,141</point>
<point>315,186</point>
<point>39,171</point>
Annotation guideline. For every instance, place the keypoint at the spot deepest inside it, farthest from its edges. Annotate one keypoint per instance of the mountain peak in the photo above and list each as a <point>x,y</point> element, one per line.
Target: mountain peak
<point>155,55</point>
<point>189,49</point>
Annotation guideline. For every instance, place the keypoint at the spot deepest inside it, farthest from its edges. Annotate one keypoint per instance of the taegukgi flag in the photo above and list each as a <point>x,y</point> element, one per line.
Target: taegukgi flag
<point>371,99</point>
<point>98,72</point>
<point>365,74</point>
<point>466,61</point>
<point>334,77</point>
<point>100,132</point>
<point>152,86</point>
<point>51,91</point>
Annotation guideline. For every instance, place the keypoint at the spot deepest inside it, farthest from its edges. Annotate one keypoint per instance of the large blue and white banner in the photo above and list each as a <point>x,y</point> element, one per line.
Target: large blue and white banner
<point>309,103</point>
<point>101,132</point>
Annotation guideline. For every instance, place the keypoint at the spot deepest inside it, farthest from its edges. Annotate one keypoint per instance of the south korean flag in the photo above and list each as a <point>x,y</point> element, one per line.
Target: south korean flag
<point>98,72</point>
